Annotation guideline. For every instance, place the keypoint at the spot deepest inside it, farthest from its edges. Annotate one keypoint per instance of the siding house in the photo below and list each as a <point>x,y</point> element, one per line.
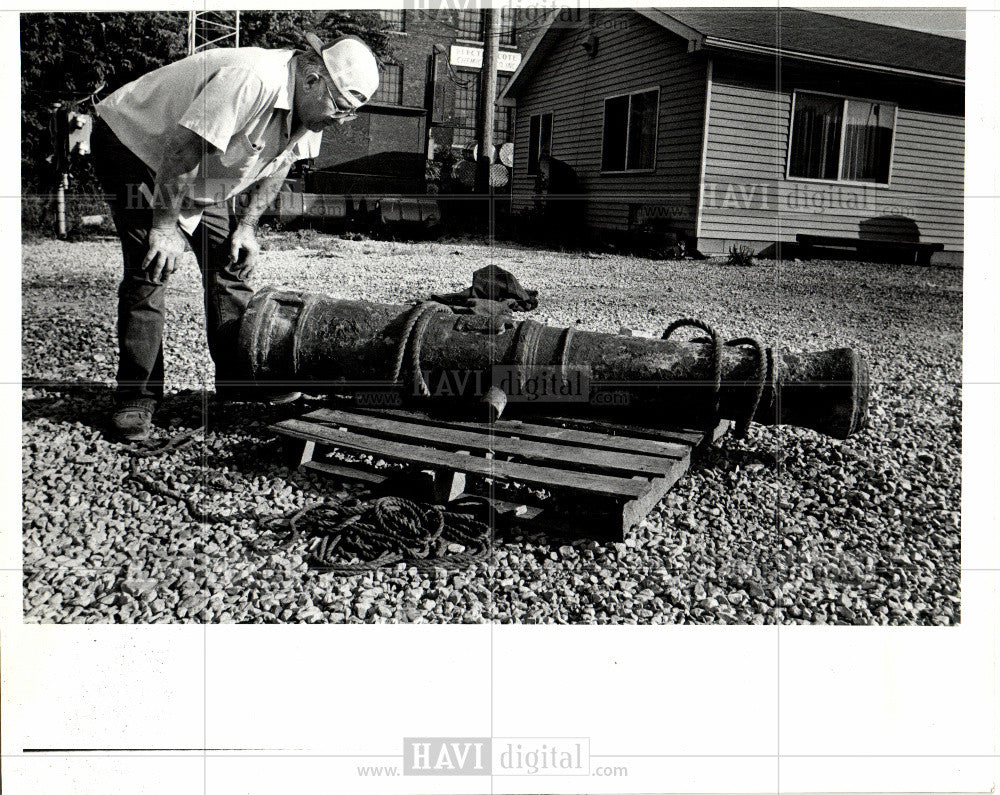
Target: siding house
<point>747,126</point>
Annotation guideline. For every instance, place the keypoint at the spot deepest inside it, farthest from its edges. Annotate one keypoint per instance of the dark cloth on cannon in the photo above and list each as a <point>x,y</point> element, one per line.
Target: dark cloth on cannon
<point>491,286</point>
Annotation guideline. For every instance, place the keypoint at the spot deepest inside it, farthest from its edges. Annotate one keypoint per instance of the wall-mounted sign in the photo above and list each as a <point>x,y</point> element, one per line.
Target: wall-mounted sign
<point>472,58</point>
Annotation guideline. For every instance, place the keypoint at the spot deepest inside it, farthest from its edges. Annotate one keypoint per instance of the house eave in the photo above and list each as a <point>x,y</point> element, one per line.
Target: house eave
<point>757,49</point>
<point>541,45</point>
<point>664,20</point>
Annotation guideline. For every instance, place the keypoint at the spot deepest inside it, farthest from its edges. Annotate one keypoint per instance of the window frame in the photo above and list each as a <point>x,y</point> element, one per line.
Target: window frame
<point>844,98</point>
<point>512,27</point>
<point>384,102</point>
<point>402,21</point>
<point>474,77</point>
<point>628,118</point>
<point>538,155</point>
<point>461,34</point>
<point>500,111</point>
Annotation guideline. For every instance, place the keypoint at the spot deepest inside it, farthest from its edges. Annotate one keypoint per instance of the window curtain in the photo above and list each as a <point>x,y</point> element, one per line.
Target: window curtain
<point>533,133</point>
<point>642,130</point>
<point>545,136</point>
<point>816,137</point>
<point>868,141</point>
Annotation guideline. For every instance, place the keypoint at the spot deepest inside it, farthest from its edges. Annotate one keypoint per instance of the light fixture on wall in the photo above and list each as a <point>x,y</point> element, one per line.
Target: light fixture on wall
<point>590,45</point>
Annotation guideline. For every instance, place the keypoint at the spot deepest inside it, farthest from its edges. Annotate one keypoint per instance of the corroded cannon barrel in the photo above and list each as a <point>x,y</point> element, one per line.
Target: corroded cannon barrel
<point>325,344</point>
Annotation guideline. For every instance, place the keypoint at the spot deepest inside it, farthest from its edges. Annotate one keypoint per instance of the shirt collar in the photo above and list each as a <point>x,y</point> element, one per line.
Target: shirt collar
<point>286,94</point>
<point>309,143</point>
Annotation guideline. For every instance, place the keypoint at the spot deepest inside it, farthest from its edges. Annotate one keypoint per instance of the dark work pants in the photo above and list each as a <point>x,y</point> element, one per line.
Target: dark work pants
<point>140,300</point>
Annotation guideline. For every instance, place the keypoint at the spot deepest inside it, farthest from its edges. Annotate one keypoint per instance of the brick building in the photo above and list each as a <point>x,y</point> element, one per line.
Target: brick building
<point>426,106</point>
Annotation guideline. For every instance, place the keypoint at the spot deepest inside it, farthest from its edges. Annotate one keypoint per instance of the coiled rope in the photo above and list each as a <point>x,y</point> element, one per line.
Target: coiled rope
<point>349,539</point>
<point>764,364</point>
<point>390,530</point>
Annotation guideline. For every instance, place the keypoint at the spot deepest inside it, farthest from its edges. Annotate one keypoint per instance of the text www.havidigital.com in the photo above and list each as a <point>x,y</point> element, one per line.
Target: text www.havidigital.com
<point>496,756</point>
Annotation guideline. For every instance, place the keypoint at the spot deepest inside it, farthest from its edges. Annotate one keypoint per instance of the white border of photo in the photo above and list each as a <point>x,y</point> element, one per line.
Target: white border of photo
<point>238,709</point>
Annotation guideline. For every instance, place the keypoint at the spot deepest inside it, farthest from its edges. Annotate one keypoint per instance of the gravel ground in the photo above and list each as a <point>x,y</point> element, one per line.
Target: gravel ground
<point>783,527</point>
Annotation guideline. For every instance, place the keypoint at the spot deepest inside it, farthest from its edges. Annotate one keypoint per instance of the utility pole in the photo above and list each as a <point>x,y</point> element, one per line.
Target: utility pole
<point>207,29</point>
<point>70,131</point>
<point>59,128</point>
<point>487,98</point>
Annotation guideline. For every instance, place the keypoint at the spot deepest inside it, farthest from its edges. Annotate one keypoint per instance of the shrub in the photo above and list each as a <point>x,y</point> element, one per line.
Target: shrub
<point>742,256</point>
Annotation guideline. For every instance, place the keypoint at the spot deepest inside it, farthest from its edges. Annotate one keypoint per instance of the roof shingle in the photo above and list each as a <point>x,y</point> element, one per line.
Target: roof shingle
<point>797,30</point>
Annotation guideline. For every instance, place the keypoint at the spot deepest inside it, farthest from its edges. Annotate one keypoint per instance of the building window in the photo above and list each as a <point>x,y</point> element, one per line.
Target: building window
<point>395,21</point>
<point>508,31</point>
<point>390,85</point>
<point>470,25</point>
<point>630,132</point>
<point>835,138</point>
<point>503,130</point>
<point>466,114</point>
<point>466,109</point>
<point>539,139</point>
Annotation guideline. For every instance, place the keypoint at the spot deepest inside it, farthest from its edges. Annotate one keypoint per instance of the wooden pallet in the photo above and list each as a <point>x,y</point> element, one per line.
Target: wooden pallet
<point>624,469</point>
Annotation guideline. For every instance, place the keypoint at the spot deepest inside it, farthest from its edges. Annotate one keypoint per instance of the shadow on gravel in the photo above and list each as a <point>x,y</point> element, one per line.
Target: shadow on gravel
<point>77,285</point>
<point>89,403</point>
<point>86,402</point>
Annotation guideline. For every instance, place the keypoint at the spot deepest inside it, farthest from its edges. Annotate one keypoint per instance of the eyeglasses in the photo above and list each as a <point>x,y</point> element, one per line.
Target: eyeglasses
<point>342,114</point>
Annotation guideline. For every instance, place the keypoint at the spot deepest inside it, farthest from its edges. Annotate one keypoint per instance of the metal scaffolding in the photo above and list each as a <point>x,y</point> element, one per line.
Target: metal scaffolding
<point>207,29</point>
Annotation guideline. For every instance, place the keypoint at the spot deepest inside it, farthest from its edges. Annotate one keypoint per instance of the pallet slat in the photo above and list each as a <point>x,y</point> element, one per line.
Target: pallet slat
<point>346,471</point>
<point>530,474</point>
<point>480,440</point>
<point>688,437</point>
<point>678,446</point>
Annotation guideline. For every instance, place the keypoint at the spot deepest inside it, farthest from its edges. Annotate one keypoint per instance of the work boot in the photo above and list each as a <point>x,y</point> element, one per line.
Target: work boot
<point>132,419</point>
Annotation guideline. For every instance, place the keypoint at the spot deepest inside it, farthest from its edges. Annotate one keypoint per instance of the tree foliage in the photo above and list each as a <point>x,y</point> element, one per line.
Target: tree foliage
<point>277,29</point>
<point>65,57</point>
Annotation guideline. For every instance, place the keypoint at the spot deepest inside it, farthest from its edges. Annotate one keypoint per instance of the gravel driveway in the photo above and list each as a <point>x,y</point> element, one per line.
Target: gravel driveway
<point>784,526</point>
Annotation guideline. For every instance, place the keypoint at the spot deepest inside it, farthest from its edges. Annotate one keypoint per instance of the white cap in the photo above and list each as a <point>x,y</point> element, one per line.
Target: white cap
<point>351,65</point>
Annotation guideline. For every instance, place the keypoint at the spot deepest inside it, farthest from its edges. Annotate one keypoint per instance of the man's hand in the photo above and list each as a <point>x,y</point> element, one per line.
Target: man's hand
<point>244,243</point>
<point>166,246</point>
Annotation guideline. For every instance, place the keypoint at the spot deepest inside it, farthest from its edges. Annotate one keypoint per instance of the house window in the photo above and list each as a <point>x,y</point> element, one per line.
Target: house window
<point>395,21</point>
<point>508,32</point>
<point>835,138</point>
<point>630,132</point>
<point>539,139</point>
<point>470,25</point>
<point>390,85</point>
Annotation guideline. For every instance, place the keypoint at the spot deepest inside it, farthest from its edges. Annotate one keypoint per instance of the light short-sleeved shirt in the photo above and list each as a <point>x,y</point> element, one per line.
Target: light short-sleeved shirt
<point>238,100</point>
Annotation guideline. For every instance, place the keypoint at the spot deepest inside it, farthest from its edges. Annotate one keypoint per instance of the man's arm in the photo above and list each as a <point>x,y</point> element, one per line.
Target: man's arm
<point>178,170</point>
<point>244,239</point>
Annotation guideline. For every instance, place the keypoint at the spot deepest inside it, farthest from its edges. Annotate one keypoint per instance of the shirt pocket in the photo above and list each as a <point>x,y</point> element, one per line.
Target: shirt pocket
<point>241,153</point>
